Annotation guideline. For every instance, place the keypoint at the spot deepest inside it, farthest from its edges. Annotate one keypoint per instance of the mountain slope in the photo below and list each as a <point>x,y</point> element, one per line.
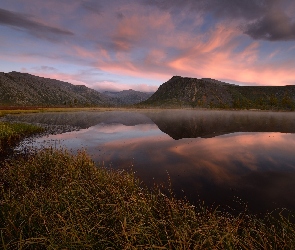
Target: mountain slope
<point>128,97</point>
<point>22,89</point>
<point>206,92</point>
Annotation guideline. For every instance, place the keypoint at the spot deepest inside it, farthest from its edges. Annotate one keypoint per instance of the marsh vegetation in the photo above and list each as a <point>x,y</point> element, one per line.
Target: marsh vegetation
<point>56,200</point>
<point>11,133</point>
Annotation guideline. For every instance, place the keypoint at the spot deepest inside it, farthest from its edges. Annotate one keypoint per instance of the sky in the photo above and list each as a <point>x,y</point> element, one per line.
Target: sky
<point>140,44</point>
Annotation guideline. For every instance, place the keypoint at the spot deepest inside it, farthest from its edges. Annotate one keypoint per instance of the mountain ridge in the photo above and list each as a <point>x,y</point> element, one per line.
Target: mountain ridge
<point>209,93</point>
<point>24,89</point>
<point>128,97</point>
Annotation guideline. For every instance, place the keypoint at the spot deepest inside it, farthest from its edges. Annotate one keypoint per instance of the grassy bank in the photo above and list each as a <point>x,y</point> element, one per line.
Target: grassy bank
<point>15,110</point>
<point>58,201</point>
<point>10,133</point>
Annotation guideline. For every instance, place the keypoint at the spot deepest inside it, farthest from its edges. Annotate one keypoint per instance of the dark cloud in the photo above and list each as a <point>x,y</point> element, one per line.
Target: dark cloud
<point>246,9</point>
<point>273,27</point>
<point>120,43</point>
<point>24,22</point>
<point>224,9</point>
<point>261,19</point>
<point>93,7</point>
<point>120,15</point>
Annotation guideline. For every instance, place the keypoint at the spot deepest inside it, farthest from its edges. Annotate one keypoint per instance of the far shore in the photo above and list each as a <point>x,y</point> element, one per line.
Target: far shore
<point>5,110</point>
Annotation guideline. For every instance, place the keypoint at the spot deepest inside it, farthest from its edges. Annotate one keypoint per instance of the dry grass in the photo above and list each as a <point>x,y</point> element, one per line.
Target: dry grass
<point>55,200</point>
<point>4,112</point>
<point>16,110</point>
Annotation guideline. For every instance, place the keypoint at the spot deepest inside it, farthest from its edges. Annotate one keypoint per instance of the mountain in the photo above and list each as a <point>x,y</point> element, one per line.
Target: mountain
<point>22,89</point>
<point>209,93</point>
<point>128,97</point>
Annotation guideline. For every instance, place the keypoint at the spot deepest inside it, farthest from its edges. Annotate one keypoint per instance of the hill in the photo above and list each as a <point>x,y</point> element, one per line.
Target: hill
<point>128,97</point>
<point>22,89</point>
<point>209,93</point>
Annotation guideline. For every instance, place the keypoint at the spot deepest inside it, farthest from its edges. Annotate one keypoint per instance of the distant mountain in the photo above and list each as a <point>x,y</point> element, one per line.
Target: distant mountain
<point>22,89</point>
<point>209,93</point>
<point>128,97</point>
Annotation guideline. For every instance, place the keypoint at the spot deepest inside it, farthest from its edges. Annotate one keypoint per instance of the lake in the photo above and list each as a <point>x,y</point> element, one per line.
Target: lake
<point>224,158</point>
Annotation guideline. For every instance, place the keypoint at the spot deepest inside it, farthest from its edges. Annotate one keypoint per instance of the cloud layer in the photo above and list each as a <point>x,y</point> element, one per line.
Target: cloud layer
<point>24,22</point>
<point>114,45</point>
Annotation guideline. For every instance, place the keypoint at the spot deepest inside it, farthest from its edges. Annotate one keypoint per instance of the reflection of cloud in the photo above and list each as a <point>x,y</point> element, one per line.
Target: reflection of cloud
<point>222,159</point>
<point>116,128</point>
<point>252,164</point>
<point>255,167</point>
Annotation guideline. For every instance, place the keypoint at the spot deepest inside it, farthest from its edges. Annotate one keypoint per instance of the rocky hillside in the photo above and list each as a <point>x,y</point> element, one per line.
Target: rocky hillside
<point>128,97</point>
<point>210,93</point>
<point>22,89</point>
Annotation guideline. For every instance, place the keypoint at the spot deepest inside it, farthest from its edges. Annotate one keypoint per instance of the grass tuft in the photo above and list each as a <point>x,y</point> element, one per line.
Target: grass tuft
<point>55,200</point>
<point>10,133</point>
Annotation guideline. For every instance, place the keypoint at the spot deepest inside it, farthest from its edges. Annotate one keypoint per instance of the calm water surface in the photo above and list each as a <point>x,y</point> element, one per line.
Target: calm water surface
<point>219,157</point>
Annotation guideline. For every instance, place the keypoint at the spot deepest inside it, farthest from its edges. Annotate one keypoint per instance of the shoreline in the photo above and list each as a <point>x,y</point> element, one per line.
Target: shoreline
<point>73,202</point>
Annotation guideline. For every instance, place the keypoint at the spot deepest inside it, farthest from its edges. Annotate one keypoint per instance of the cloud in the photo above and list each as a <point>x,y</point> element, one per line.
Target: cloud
<point>274,26</point>
<point>114,86</point>
<point>151,42</point>
<point>93,7</point>
<point>24,22</point>
<point>260,19</point>
<point>45,69</point>
<point>246,9</point>
<point>89,79</point>
<point>120,15</point>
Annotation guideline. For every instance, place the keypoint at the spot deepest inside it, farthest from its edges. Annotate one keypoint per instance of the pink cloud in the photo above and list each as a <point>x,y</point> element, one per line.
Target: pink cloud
<point>217,59</point>
<point>148,43</point>
<point>112,86</point>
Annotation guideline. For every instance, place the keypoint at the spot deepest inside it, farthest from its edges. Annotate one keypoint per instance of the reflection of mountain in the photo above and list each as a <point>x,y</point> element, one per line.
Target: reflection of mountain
<point>192,124</point>
<point>82,119</point>
<point>177,124</point>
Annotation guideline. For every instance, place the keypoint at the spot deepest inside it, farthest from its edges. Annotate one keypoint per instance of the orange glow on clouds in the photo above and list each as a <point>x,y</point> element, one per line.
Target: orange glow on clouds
<point>143,43</point>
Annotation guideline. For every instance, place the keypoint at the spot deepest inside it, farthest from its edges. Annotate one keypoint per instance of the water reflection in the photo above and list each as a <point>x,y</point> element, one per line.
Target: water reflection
<point>214,156</point>
<point>191,124</point>
<point>82,119</point>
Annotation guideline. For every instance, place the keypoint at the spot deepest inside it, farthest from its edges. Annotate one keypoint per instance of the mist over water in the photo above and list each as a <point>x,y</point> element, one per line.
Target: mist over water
<point>220,157</point>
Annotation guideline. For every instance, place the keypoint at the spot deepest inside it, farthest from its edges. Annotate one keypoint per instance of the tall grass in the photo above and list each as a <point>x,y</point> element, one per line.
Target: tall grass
<point>55,200</point>
<point>13,132</point>
<point>25,110</point>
